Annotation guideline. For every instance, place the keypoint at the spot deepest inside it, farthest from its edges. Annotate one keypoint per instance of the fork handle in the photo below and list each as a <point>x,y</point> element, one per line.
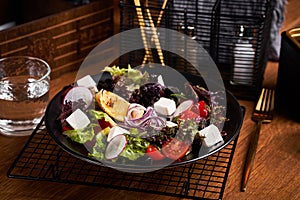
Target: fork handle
<point>250,156</point>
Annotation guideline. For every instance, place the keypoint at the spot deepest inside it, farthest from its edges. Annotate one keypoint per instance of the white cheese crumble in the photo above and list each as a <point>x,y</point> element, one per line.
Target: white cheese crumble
<point>165,106</point>
<point>211,135</point>
<point>87,81</point>
<point>78,119</point>
<point>171,124</point>
<point>160,80</point>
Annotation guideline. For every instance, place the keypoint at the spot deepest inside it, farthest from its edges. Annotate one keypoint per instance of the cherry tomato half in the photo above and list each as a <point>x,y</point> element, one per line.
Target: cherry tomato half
<point>201,103</point>
<point>175,149</point>
<point>202,109</point>
<point>154,153</point>
<point>203,112</point>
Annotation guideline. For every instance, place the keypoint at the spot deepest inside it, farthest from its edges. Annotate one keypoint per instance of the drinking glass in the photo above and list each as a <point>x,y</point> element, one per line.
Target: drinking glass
<point>24,94</point>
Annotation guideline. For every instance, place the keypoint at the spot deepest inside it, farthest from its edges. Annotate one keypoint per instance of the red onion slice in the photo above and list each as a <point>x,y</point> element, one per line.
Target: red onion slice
<point>149,118</point>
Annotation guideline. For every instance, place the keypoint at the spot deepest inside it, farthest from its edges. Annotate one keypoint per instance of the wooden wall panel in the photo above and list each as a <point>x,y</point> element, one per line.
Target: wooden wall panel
<point>63,39</point>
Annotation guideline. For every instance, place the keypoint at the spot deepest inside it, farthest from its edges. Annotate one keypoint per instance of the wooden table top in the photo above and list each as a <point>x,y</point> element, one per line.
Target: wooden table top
<point>275,173</point>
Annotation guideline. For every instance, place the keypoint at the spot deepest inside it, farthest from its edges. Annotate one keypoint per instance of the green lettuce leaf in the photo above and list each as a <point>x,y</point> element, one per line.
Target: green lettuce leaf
<point>99,147</point>
<point>114,70</point>
<point>81,135</point>
<point>135,148</point>
<point>95,114</point>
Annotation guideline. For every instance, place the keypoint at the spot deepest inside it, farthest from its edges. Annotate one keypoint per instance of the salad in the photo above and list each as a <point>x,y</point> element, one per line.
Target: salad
<point>131,114</point>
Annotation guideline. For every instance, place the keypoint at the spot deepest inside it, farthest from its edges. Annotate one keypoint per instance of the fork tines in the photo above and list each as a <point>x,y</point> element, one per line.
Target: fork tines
<point>265,104</point>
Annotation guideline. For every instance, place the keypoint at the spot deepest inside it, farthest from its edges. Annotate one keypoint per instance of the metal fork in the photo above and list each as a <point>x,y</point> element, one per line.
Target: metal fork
<point>263,113</point>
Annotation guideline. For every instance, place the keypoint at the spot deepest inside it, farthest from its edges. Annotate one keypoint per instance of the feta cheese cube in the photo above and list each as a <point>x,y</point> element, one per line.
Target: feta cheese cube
<point>78,119</point>
<point>160,80</point>
<point>171,124</point>
<point>212,135</point>
<point>165,106</point>
<point>87,81</point>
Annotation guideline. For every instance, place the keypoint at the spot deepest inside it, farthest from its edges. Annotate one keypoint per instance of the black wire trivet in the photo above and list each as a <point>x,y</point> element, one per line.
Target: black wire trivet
<point>42,159</point>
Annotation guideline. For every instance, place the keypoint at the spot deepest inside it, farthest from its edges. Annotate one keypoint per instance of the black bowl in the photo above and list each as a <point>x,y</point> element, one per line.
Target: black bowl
<point>232,127</point>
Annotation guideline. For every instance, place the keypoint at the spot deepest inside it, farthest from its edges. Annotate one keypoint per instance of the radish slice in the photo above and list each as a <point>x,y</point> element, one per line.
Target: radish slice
<point>77,93</point>
<point>114,131</point>
<point>115,147</point>
<point>185,105</point>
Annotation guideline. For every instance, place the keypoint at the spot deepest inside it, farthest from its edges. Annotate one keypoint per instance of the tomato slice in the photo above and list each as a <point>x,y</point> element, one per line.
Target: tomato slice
<point>66,128</point>
<point>154,153</point>
<point>175,149</point>
<point>188,114</point>
<point>104,124</point>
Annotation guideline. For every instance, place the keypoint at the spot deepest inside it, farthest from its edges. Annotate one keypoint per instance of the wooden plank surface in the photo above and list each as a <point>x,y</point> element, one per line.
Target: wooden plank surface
<point>62,39</point>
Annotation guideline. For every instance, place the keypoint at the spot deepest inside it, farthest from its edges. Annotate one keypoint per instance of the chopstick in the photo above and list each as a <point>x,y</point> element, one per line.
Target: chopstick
<point>155,37</point>
<point>142,24</point>
<point>161,12</point>
<point>148,54</point>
